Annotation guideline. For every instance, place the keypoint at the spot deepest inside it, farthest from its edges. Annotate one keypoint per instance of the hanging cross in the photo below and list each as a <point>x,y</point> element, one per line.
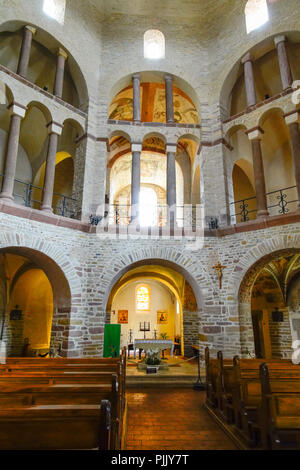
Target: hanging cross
<point>219,268</point>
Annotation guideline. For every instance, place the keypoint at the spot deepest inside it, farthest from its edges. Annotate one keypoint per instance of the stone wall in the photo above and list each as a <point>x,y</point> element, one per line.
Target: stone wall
<point>92,266</point>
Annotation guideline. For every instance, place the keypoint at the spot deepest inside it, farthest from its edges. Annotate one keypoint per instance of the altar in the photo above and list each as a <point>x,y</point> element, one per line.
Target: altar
<point>153,344</point>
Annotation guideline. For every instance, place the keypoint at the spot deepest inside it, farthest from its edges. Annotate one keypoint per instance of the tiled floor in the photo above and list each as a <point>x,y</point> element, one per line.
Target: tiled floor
<point>163,419</point>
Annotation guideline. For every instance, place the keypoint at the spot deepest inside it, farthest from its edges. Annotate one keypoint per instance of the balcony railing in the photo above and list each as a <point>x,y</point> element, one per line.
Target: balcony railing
<point>281,201</point>
<point>157,216</point>
<point>30,195</point>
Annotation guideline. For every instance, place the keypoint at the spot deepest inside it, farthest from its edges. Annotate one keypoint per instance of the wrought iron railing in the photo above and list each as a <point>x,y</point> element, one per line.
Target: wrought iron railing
<point>281,201</point>
<point>30,195</point>
<point>186,215</point>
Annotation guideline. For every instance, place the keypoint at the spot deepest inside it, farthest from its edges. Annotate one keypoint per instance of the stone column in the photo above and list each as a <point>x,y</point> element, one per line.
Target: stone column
<point>54,130</point>
<point>259,176</point>
<point>169,99</point>
<point>60,72</point>
<point>28,33</point>
<point>285,69</point>
<point>135,179</point>
<point>136,80</point>
<point>249,80</point>
<point>292,123</point>
<point>171,182</point>
<point>18,112</point>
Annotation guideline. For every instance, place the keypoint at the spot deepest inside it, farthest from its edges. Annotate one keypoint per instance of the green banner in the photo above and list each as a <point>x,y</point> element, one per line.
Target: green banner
<point>112,335</point>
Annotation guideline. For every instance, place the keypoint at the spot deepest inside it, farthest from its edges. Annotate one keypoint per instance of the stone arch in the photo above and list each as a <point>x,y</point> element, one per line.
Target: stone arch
<point>61,274</point>
<point>187,265</point>
<point>244,275</point>
<point>156,76</point>
<point>264,116</point>
<point>51,43</point>
<point>184,264</point>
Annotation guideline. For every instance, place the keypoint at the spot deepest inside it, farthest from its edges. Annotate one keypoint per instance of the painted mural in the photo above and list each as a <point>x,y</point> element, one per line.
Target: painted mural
<point>153,107</point>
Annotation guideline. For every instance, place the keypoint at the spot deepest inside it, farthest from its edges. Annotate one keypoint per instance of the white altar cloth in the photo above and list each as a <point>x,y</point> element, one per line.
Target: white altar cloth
<point>147,344</point>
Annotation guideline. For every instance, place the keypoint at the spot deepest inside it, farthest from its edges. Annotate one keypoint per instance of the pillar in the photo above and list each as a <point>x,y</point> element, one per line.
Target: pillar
<point>135,179</point>
<point>284,65</point>
<point>249,80</point>
<point>60,73</point>
<point>171,182</point>
<point>292,123</point>
<point>136,80</point>
<point>18,112</point>
<point>169,99</point>
<point>28,33</point>
<point>259,176</point>
<point>54,130</point>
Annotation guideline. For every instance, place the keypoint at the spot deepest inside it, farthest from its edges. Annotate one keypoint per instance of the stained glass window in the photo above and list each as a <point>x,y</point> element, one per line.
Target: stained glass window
<point>143,298</point>
<point>256,12</point>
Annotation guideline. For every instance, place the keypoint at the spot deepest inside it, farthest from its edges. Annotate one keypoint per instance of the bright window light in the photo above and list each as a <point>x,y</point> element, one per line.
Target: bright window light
<point>143,298</point>
<point>177,308</point>
<point>154,44</point>
<point>256,12</point>
<point>55,9</point>
<point>148,207</point>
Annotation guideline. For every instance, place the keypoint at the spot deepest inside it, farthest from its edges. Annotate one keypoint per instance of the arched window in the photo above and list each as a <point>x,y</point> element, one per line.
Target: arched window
<point>143,298</point>
<point>55,9</point>
<point>256,13</point>
<point>154,44</point>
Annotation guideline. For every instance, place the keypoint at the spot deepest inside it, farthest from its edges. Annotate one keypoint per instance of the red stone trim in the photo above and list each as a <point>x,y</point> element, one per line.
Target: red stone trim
<point>214,143</point>
<point>40,216</point>
<point>292,112</point>
<point>14,103</point>
<point>257,128</point>
<point>258,105</point>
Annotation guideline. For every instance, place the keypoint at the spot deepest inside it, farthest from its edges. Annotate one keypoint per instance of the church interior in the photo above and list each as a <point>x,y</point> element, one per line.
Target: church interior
<point>149,225</point>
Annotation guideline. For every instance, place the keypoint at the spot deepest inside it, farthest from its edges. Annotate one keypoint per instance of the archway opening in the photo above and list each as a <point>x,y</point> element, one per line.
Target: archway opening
<point>160,297</point>
<point>34,299</point>
<point>269,304</point>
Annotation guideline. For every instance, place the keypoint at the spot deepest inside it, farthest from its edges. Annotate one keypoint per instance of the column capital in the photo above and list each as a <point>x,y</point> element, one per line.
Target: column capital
<point>168,77</point>
<point>278,39</point>
<point>31,29</point>
<point>62,52</point>
<point>247,58</point>
<point>136,147</point>
<point>255,133</point>
<point>171,148</point>
<point>292,116</point>
<point>54,128</point>
<point>17,109</point>
<point>136,76</point>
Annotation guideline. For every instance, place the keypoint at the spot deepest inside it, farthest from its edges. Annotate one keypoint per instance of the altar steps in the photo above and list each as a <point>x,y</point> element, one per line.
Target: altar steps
<point>157,380</point>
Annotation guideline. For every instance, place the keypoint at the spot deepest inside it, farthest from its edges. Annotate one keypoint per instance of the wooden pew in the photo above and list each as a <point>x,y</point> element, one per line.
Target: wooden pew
<point>224,386</point>
<point>247,394</point>
<point>279,412</point>
<point>55,427</point>
<point>57,383</point>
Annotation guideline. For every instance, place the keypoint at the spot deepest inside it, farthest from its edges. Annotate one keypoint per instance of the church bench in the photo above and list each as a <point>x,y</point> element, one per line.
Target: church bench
<point>212,367</point>
<point>279,412</point>
<point>56,427</point>
<point>224,386</point>
<point>247,392</point>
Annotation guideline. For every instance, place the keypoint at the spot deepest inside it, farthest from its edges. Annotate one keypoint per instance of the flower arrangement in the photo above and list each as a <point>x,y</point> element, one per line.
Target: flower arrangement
<point>152,358</point>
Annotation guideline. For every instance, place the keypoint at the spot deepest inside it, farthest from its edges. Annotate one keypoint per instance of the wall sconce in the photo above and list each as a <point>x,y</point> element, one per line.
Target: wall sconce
<point>277,316</point>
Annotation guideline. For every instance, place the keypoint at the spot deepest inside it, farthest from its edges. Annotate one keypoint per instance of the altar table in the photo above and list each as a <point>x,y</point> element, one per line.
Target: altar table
<point>159,344</point>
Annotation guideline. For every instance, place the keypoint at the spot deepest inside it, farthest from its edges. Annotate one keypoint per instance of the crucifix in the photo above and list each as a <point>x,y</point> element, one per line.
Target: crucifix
<point>219,268</point>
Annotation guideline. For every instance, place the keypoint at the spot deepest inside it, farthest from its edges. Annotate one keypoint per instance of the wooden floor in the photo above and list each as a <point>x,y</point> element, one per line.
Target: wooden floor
<point>172,419</point>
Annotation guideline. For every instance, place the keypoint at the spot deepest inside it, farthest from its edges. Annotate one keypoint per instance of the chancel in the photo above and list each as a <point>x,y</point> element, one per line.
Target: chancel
<point>149,225</point>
